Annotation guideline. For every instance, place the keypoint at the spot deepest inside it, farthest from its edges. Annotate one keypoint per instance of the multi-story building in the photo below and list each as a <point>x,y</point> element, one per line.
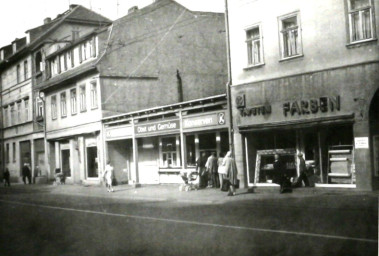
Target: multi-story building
<point>159,55</point>
<point>22,71</point>
<point>165,68</point>
<point>305,80</point>
<point>16,94</point>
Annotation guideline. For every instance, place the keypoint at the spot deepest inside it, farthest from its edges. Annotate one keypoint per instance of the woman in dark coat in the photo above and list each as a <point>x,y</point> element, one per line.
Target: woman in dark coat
<point>231,173</point>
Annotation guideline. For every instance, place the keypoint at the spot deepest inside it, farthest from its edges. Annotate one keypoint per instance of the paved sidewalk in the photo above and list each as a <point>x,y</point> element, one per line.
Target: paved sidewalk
<point>171,192</point>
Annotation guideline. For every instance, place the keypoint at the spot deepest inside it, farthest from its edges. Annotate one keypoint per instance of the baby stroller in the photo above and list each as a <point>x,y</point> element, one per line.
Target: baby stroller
<point>60,177</point>
<point>189,178</point>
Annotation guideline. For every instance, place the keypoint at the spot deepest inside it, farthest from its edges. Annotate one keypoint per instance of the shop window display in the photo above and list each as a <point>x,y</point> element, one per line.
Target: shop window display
<point>169,152</point>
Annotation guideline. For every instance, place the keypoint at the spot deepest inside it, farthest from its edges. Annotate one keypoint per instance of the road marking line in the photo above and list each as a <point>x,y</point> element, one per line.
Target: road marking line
<point>195,223</point>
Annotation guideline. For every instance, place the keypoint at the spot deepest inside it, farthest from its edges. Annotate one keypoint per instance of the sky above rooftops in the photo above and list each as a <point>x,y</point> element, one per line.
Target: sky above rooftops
<point>20,15</point>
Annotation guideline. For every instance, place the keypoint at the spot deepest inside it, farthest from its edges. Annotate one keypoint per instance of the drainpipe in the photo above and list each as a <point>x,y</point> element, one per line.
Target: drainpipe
<point>229,83</point>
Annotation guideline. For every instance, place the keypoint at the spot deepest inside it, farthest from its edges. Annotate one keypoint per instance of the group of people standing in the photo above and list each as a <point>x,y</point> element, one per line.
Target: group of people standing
<point>26,175</point>
<point>217,172</point>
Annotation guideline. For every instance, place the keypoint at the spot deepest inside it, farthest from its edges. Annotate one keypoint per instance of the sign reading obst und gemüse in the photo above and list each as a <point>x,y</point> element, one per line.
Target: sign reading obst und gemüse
<point>164,126</point>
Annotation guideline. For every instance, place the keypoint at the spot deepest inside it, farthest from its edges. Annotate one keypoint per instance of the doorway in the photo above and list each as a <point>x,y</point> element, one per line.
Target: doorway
<point>92,166</point>
<point>65,158</point>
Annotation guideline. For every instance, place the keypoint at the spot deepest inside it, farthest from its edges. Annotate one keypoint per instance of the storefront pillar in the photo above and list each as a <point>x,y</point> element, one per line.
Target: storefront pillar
<point>239,156</point>
<point>32,158</point>
<point>57,157</point>
<point>218,143</point>
<point>197,146</point>
<point>363,167</point>
<point>81,161</point>
<point>135,158</point>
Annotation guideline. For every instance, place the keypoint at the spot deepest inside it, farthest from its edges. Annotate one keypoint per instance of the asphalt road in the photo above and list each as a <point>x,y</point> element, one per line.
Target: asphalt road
<point>39,222</point>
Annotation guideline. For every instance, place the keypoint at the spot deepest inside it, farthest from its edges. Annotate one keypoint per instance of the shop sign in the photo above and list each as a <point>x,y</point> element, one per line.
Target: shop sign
<point>172,125</point>
<point>305,107</point>
<point>256,110</point>
<point>116,132</point>
<point>361,142</point>
<point>205,120</point>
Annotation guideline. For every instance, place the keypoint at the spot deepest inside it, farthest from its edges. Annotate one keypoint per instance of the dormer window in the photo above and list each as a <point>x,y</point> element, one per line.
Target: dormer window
<point>14,47</point>
<point>38,61</point>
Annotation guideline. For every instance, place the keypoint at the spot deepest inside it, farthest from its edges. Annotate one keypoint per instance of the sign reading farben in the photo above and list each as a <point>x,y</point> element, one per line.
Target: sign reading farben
<point>157,127</point>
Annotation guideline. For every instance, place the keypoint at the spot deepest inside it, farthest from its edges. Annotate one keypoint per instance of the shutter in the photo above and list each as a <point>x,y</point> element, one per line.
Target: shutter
<point>94,46</point>
<point>80,54</point>
<point>72,58</point>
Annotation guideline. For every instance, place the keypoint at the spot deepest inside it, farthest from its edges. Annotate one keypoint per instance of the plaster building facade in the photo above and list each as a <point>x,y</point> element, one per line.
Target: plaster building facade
<point>153,57</point>
<point>23,67</point>
<point>162,60</point>
<point>305,80</point>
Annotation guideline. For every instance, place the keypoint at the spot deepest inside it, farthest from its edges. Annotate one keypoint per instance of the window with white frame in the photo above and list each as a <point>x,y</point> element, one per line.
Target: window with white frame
<point>18,73</point>
<point>6,118</point>
<point>7,153</point>
<point>26,110</point>
<point>54,107</point>
<point>361,25</point>
<point>26,70</point>
<point>254,46</point>
<point>13,115</point>
<point>14,152</point>
<point>39,107</point>
<point>19,112</point>
<point>63,104</point>
<point>93,95</point>
<point>83,104</point>
<point>170,153</point>
<point>73,101</point>
<point>290,37</point>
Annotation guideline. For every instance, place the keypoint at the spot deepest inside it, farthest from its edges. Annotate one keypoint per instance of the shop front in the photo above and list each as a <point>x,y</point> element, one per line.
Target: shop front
<point>76,154</point>
<point>327,122</point>
<point>155,146</point>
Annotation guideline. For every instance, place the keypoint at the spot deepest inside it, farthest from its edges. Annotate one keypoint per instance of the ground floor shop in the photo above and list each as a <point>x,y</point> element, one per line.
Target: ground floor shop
<point>76,154</point>
<point>21,150</point>
<point>156,146</point>
<point>332,120</point>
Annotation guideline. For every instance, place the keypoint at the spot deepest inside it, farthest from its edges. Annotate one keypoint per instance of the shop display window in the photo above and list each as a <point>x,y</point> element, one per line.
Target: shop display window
<point>169,152</point>
<point>191,150</point>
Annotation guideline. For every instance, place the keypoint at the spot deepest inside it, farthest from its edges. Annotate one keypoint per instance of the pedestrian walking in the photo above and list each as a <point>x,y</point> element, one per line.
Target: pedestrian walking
<point>26,174</point>
<point>303,176</point>
<point>231,173</point>
<point>202,170</point>
<point>211,166</point>
<point>221,170</point>
<point>280,175</point>
<point>7,178</point>
<point>108,175</point>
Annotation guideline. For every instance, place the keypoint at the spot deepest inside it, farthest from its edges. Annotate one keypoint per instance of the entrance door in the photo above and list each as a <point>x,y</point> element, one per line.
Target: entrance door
<point>65,156</point>
<point>92,169</point>
<point>25,156</point>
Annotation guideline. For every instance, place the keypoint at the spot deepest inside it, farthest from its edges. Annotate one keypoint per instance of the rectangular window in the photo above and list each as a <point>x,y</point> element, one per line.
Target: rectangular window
<point>54,107</point>
<point>94,47</point>
<point>254,46</point>
<point>83,106</point>
<point>14,152</point>
<point>13,115</point>
<point>7,153</point>
<point>73,101</point>
<point>170,152</point>
<point>26,70</point>
<point>84,51</point>
<point>63,105</point>
<point>290,38</point>
<point>6,119</point>
<point>93,95</point>
<point>361,24</point>
<point>18,74</point>
<point>19,112</point>
<point>26,109</point>
<point>39,107</point>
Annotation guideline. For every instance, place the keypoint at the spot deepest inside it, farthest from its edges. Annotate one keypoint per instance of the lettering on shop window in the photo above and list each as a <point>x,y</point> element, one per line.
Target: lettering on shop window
<point>257,110</point>
<point>312,106</point>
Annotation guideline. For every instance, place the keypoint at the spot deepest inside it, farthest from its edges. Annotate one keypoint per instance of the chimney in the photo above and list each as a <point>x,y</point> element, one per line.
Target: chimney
<point>72,6</point>
<point>47,20</point>
<point>132,9</point>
